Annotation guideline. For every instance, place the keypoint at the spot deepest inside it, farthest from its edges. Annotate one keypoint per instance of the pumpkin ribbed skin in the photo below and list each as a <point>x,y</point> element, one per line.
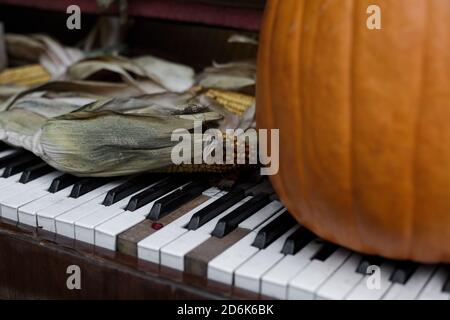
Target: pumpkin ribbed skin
<point>364,119</point>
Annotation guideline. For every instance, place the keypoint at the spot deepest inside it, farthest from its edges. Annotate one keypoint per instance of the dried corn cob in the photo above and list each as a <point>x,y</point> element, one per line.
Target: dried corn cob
<point>29,75</point>
<point>234,102</point>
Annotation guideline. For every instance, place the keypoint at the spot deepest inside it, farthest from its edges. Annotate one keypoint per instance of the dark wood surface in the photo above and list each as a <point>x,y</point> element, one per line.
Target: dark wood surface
<point>34,263</point>
<point>242,14</point>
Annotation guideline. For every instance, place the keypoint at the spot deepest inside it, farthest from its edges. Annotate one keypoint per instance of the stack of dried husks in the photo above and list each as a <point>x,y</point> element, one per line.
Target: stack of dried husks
<point>108,115</point>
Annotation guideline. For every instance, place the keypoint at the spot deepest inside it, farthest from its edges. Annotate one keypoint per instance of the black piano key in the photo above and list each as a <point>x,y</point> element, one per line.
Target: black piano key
<point>62,182</point>
<point>403,270</point>
<point>230,222</point>
<point>366,262</point>
<point>174,200</point>
<point>4,146</point>
<point>273,230</point>
<point>325,252</point>
<point>297,241</point>
<point>87,185</point>
<point>35,172</point>
<point>11,158</point>
<point>128,188</point>
<point>20,165</point>
<point>214,209</point>
<point>446,286</point>
<point>154,192</point>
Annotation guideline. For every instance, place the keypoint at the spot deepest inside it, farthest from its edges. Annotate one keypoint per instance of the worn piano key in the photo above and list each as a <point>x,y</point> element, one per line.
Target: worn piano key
<point>86,185</point>
<point>20,165</point>
<point>128,240</point>
<point>275,281</point>
<point>222,267</point>
<point>172,255</point>
<point>249,275</point>
<point>196,261</point>
<point>107,232</point>
<point>12,157</point>
<point>154,192</point>
<point>170,202</point>
<point>403,271</point>
<point>62,182</point>
<point>128,188</point>
<point>410,289</point>
<point>231,221</point>
<point>214,209</point>
<point>341,282</point>
<point>366,262</point>
<point>35,172</point>
<point>297,241</point>
<point>275,229</point>
<point>149,248</point>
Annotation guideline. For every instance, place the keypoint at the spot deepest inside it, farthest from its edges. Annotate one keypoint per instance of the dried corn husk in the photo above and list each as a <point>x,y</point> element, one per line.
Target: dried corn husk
<point>109,144</point>
<point>26,117</point>
<point>241,38</point>
<point>147,74</point>
<point>54,57</point>
<point>103,137</point>
<point>229,76</point>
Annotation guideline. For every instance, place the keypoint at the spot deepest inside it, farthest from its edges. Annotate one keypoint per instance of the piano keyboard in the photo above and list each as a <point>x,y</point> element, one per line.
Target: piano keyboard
<point>242,236</point>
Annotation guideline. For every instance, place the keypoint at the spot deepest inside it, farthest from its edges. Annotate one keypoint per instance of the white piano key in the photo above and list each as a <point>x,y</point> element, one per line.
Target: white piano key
<point>307,282</point>
<point>222,267</point>
<point>275,281</point>
<point>248,276</point>
<point>85,227</point>
<point>433,289</point>
<point>411,289</point>
<point>5,182</point>
<point>172,255</point>
<point>342,281</point>
<point>106,233</point>
<point>262,215</point>
<point>364,291</point>
<point>46,217</point>
<point>14,195</point>
<point>27,212</point>
<point>211,192</point>
<point>10,207</point>
<point>17,187</point>
<point>149,248</point>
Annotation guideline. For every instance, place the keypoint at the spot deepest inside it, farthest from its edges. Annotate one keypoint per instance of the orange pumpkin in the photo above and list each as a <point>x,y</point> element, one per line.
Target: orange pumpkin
<point>364,119</point>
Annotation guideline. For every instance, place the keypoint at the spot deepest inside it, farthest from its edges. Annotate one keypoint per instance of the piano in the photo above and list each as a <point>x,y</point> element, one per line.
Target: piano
<point>161,236</point>
<point>158,235</point>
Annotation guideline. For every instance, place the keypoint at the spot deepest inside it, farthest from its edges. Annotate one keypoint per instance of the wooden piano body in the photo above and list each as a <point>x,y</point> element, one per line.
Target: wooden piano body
<point>35,264</point>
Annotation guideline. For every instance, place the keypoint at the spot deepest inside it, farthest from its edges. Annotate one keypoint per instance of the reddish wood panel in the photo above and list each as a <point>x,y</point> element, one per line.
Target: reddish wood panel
<point>246,17</point>
<point>34,265</point>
